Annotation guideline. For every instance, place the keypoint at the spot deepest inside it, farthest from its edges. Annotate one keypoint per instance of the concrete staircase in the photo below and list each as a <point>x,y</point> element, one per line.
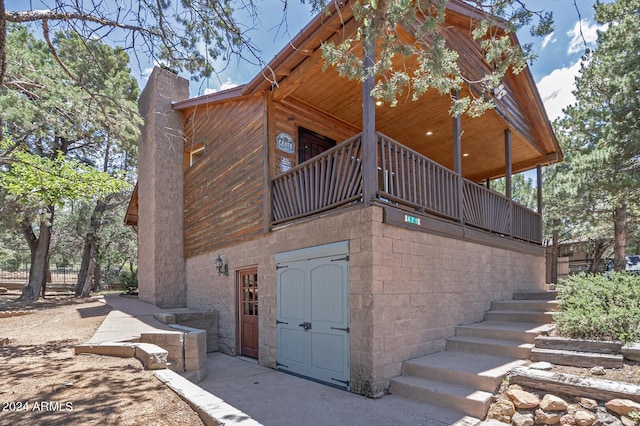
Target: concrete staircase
<point>469,371</point>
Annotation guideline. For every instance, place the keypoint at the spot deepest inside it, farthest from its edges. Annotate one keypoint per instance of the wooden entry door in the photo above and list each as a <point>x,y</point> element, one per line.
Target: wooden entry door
<point>248,310</point>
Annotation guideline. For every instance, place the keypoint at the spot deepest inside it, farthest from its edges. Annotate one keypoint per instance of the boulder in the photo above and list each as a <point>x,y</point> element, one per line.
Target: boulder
<point>501,410</point>
<point>548,417</point>
<point>567,419</point>
<point>605,419</point>
<point>542,365</point>
<point>588,403</point>
<point>553,403</point>
<point>622,406</point>
<point>522,399</point>
<point>522,419</point>
<point>584,418</point>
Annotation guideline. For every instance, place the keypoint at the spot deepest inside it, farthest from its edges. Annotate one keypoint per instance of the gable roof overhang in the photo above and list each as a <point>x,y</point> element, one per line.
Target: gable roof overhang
<point>131,215</point>
<point>296,74</point>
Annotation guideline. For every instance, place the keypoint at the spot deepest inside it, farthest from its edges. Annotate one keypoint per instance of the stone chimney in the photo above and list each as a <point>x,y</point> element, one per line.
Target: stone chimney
<point>161,265</point>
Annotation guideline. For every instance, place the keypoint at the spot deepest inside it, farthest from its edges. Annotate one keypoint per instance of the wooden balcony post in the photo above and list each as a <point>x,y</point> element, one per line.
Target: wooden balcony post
<point>539,186</point>
<point>369,142</point>
<point>507,175</point>
<point>457,161</point>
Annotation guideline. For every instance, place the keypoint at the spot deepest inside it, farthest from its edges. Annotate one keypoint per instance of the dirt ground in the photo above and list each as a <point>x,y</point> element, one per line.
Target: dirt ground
<point>43,382</point>
<point>629,373</point>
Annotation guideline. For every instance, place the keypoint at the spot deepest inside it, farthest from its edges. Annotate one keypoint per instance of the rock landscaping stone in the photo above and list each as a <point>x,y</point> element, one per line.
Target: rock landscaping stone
<point>502,410</point>
<point>588,403</point>
<point>584,418</point>
<point>553,403</point>
<point>622,406</point>
<point>546,408</point>
<point>567,419</point>
<point>522,399</point>
<point>606,419</point>
<point>626,421</point>
<point>548,417</point>
<point>520,419</point>
<point>598,371</point>
<point>542,365</point>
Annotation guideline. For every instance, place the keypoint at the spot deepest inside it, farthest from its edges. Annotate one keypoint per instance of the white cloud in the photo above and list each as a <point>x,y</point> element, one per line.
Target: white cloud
<point>556,89</point>
<point>228,85</point>
<point>548,39</point>
<point>581,33</point>
<point>224,86</point>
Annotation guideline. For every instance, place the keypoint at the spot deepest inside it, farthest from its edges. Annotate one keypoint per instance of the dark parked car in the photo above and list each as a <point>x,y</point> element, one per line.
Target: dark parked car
<point>633,264</point>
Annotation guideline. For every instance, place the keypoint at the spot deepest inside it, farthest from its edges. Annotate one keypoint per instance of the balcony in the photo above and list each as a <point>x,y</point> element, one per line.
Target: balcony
<point>407,180</point>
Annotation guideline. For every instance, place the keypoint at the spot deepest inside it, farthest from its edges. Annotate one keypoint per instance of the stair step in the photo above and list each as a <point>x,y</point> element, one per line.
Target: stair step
<point>519,316</point>
<point>535,295</point>
<point>498,347</point>
<point>525,305</point>
<point>458,397</point>
<point>484,372</point>
<point>525,332</point>
<point>577,359</point>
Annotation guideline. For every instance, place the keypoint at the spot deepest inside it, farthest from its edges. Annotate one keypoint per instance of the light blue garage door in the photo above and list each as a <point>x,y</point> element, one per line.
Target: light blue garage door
<point>313,313</point>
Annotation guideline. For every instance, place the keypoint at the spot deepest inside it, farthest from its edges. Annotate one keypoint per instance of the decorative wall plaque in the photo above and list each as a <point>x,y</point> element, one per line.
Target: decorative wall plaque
<point>284,142</point>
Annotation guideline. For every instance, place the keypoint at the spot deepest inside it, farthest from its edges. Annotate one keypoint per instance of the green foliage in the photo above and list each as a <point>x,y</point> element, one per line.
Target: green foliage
<point>129,281</point>
<point>522,190</point>
<point>600,307</point>
<point>635,416</point>
<point>70,131</point>
<point>600,136</point>
<point>33,179</point>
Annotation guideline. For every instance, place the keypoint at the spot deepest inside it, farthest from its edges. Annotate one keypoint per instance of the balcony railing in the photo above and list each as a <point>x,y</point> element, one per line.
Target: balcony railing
<point>327,181</point>
<point>405,177</point>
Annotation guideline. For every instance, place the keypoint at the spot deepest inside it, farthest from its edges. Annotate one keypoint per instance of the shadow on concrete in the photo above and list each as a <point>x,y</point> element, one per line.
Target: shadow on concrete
<point>275,398</point>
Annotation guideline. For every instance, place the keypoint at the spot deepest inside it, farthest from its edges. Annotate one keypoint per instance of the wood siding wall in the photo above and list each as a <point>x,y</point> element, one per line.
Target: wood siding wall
<point>224,189</point>
<point>290,115</point>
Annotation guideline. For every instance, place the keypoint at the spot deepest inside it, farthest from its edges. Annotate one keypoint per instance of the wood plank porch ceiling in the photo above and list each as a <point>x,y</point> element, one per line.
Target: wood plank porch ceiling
<point>298,71</point>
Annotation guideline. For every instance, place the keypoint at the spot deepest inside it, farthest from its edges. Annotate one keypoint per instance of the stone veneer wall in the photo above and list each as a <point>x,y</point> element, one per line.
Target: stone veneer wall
<point>408,289</point>
<point>161,274</point>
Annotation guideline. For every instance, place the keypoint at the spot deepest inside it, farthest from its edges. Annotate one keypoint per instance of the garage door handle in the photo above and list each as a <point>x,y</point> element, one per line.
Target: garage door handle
<point>305,325</point>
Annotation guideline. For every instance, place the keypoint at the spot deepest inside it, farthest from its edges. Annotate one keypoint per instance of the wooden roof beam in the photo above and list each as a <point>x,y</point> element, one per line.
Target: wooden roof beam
<point>309,65</point>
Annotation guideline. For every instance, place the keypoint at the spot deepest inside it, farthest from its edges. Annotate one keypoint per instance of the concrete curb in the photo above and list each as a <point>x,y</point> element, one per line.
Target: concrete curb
<point>212,410</point>
<point>153,357</point>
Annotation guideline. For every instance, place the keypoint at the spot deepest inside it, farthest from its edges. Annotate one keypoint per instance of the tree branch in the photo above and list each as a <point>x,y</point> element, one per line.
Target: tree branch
<point>51,15</point>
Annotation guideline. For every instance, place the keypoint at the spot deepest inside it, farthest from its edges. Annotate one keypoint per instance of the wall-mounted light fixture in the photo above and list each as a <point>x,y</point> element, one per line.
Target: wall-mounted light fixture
<point>222,269</point>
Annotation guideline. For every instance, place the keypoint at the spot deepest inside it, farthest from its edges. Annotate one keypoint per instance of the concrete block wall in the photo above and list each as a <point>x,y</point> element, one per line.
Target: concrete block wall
<point>161,275</point>
<point>425,285</point>
<point>407,289</point>
<point>203,320</point>
<point>186,349</point>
